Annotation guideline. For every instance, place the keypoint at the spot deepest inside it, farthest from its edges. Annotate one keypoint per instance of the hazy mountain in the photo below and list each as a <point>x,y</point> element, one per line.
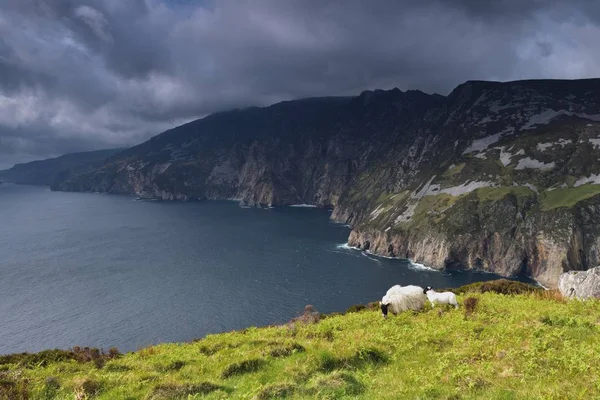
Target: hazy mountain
<point>49,171</point>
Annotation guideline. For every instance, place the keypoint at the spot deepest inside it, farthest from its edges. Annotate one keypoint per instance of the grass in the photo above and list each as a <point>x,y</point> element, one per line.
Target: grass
<point>494,194</point>
<point>528,345</point>
<point>568,197</point>
<point>456,169</point>
<point>430,210</point>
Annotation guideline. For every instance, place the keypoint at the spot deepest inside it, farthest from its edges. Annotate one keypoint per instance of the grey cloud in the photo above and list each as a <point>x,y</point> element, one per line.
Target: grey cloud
<point>79,75</point>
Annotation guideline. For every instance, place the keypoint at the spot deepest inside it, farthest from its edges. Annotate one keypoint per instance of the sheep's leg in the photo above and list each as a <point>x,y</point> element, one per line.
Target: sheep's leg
<point>432,304</point>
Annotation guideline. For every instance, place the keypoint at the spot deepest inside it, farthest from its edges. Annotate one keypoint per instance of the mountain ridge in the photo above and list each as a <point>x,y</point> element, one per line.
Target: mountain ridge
<point>48,171</point>
<point>482,178</point>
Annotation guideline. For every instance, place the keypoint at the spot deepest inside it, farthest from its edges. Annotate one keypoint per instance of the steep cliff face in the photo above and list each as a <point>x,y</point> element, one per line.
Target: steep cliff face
<point>502,177</point>
<point>305,151</point>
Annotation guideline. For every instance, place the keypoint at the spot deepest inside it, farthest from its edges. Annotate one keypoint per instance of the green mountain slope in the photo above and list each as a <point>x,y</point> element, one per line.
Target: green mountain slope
<point>526,346</point>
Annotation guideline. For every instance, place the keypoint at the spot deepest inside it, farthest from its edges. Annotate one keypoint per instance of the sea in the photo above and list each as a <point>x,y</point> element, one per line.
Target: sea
<point>99,270</point>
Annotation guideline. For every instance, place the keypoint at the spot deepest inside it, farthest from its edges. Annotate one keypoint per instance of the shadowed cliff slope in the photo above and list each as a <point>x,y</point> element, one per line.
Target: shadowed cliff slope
<point>501,177</point>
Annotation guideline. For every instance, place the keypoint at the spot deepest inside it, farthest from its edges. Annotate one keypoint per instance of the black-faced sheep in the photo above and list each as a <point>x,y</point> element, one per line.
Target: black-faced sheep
<point>402,298</point>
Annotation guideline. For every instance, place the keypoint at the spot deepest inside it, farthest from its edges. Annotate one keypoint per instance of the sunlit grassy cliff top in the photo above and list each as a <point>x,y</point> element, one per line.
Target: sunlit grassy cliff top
<point>532,345</point>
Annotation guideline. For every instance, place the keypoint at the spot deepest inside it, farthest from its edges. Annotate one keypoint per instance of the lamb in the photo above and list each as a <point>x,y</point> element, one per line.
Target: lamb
<point>402,298</point>
<point>441,298</point>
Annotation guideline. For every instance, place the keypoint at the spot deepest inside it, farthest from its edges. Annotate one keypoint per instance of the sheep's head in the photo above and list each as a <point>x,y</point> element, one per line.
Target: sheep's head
<point>384,309</point>
<point>427,289</point>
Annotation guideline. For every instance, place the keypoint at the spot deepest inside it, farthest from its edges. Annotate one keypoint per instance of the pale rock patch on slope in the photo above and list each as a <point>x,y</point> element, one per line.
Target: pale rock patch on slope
<point>375,213</point>
<point>407,214</point>
<point>595,142</point>
<point>495,107</point>
<point>543,118</point>
<point>505,156</point>
<point>561,143</point>
<point>415,197</point>
<point>483,143</point>
<point>423,190</point>
<point>528,162</point>
<point>593,179</point>
<point>136,166</point>
<point>487,120</point>
<point>548,115</point>
<point>161,168</point>
<point>466,187</point>
<point>433,189</point>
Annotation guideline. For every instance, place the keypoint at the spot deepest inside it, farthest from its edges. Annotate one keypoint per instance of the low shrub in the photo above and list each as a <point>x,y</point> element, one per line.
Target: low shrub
<point>308,316</point>
<point>11,388</point>
<point>500,286</point>
<point>566,321</point>
<point>112,367</point>
<point>87,388</point>
<point>173,391</point>
<point>369,355</point>
<point>276,391</point>
<point>243,367</point>
<point>470,304</point>
<point>287,350</point>
<point>46,357</point>
<point>173,366</point>
<point>356,308</point>
<point>554,295</point>
<point>50,388</point>
<point>339,384</point>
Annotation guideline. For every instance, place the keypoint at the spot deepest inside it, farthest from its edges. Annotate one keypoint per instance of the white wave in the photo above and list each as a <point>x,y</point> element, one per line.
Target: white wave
<point>340,223</point>
<point>420,266</point>
<point>303,205</point>
<point>345,246</point>
<point>367,253</point>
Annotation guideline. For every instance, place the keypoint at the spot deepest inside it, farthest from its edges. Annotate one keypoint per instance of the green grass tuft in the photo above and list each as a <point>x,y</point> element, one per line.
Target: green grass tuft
<point>182,391</point>
<point>567,197</point>
<point>243,367</point>
<point>287,350</point>
<point>493,194</point>
<point>276,391</point>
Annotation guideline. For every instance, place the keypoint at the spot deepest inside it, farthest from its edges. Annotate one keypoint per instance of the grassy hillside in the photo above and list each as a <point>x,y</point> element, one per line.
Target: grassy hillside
<point>525,346</point>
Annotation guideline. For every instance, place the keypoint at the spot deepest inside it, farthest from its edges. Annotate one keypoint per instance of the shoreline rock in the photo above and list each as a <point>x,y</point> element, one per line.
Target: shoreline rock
<point>580,284</point>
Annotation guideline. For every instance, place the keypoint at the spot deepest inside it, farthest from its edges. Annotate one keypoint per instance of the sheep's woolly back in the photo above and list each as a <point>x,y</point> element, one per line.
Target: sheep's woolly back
<point>399,302</point>
<point>397,289</point>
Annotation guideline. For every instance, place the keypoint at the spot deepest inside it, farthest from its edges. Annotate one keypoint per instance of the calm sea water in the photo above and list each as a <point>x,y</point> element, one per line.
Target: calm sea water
<point>102,270</point>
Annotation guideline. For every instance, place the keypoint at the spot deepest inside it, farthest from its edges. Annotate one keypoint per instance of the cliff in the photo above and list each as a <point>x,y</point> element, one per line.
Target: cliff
<point>501,177</point>
<point>49,171</point>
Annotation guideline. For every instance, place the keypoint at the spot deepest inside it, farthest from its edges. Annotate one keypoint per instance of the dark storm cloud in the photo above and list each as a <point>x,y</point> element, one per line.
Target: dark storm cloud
<point>78,75</point>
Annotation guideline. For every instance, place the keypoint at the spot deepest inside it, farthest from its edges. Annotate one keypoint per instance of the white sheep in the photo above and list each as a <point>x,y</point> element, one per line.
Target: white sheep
<point>402,298</point>
<point>441,298</point>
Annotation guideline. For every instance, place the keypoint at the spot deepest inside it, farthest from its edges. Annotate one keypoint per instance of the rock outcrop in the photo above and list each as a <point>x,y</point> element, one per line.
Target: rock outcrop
<point>501,177</point>
<point>581,284</point>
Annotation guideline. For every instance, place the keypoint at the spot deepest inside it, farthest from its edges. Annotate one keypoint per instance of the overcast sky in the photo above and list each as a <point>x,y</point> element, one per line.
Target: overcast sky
<point>82,75</point>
